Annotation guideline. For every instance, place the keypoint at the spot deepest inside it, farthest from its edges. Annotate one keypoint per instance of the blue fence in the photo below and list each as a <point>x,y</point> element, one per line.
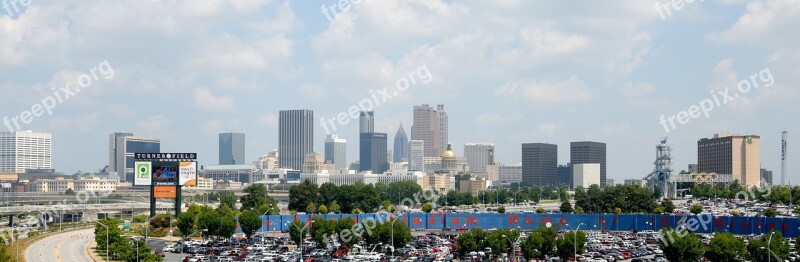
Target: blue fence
<point>525,221</point>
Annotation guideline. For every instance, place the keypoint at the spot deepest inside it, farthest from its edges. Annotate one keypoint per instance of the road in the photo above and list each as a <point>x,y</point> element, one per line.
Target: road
<point>69,246</point>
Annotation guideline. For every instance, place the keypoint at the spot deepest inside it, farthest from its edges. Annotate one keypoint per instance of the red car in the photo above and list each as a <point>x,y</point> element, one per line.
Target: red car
<point>462,229</point>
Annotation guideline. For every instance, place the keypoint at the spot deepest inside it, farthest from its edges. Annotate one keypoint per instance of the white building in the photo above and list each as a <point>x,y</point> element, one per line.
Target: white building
<point>416,152</point>
<point>585,175</point>
<point>22,150</point>
<point>60,185</point>
<point>269,161</point>
<point>479,155</point>
<point>510,174</point>
<point>349,177</point>
<point>336,152</point>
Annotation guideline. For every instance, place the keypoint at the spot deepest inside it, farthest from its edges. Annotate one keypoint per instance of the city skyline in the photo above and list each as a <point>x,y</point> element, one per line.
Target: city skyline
<point>544,79</point>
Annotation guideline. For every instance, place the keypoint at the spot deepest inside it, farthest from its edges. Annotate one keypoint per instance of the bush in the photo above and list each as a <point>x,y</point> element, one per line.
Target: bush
<point>501,209</point>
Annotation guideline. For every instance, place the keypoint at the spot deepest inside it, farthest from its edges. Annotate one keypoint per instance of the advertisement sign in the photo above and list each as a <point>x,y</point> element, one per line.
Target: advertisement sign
<point>188,174</point>
<point>142,174</point>
<point>165,173</point>
<point>164,192</point>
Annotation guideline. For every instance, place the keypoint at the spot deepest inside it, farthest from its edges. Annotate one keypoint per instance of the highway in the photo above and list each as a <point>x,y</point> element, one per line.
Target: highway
<point>69,246</point>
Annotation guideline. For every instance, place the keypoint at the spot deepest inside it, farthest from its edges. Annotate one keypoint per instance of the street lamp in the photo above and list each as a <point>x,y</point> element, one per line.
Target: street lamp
<point>106,237</point>
<point>575,238</point>
<point>769,247</point>
<point>263,228</point>
<point>512,247</point>
<point>302,237</point>
<point>395,220</point>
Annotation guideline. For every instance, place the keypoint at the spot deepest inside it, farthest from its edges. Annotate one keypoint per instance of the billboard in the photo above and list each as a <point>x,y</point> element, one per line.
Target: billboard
<point>188,174</point>
<point>9,177</point>
<point>142,174</point>
<point>165,192</point>
<point>165,173</point>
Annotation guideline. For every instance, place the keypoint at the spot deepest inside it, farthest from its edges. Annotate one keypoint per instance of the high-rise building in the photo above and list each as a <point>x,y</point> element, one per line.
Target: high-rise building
<point>444,129</point>
<point>585,175</point>
<point>564,175</point>
<point>121,150</point>
<point>539,164</point>
<point>739,156</point>
<point>400,146</point>
<point>766,175</point>
<point>510,174</point>
<point>20,150</point>
<point>267,162</point>
<point>427,128</point>
<point>336,152</point>
<point>231,149</point>
<point>587,152</point>
<point>295,137</point>
<point>312,163</point>
<point>372,153</point>
<point>366,122</point>
<point>479,155</point>
<point>416,155</point>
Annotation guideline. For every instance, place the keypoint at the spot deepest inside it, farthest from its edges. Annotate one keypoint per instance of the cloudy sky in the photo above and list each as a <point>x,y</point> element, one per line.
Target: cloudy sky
<point>508,71</point>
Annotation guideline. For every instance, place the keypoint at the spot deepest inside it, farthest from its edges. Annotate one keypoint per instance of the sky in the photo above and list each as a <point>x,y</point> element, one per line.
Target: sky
<point>507,71</point>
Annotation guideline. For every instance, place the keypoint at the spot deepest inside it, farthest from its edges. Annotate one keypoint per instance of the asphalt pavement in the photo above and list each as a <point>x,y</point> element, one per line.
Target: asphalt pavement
<point>69,246</point>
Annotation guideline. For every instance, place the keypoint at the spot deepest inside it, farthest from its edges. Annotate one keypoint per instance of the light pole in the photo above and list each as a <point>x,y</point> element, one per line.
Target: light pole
<point>106,237</point>
<point>263,228</point>
<point>575,238</point>
<point>302,237</point>
<point>769,247</point>
<point>512,247</point>
<point>395,220</point>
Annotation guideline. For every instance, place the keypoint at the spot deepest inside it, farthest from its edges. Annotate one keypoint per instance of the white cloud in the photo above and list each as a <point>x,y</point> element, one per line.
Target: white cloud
<point>492,119</point>
<point>267,120</point>
<point>204,99</point>
<point>548,129</point>
<point>639,89</point>
<point>544,93</point>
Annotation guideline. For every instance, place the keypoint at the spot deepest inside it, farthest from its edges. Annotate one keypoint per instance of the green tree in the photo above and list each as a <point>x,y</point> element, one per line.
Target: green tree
<point>427,208</point>
<point>501,209</point>
<point>566,207</point>
<point>69,192</point>
<point>658,210</point>
<point>566,245</point>
<point>579,210</point>
<point>298,231</point>
<point>334,208</point>
<point>4,254</point>
<point>328,193</point>
<point>322,209</point>
<point>321,229</point>
<point>539,244</point>
<point>770,212</point>
<point>302,194</point>
<point>186,222</point>
<point>225,210</point>
<point>681,248</point>
<point>669,207</point>
<point>256,196</point>
<point>346,236</point>
<point>471,241</point>
<point>227,198</point>
<point>735,213</point>
<point>540,210</point>
<point>402,234</point>
<point>209,221</point>
<point>726,247</point>
<point>778,248</point>
<point>403,189</point>
<point>227,226</point>
<point>500,241</point>
<point>696,209</point>
<point>250,221</point>
<point>111,229</point>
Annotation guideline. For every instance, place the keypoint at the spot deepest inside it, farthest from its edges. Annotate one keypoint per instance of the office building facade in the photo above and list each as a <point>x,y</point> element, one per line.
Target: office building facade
<point>21,150</point>
<point>366,122</point>
<point>589,152</point>
<point>416,155</point>
<point>336,152</point>
<point>427,128</point>
<point>231,149</point>
<point>479,155</point>
<point>739,156</point>
<point>121,150</point>
<point>372,152</point>
<point>400,146</point>
<point>539,164</point>
<point>510,174</point>
<point>585,175</point>
<point>564,175</point>
<point>444,125</point>
<point>295,137</point>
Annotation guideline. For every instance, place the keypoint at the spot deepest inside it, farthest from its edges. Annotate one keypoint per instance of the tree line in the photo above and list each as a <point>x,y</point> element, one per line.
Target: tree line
<point>615,199</point>
<point>723,247</point>
<point>539,244</point>
<point>356,198</point>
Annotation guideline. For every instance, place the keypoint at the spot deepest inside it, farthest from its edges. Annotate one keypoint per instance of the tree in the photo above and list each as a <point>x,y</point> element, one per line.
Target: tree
<point>4,254</point>
<point>427,208</point>
<point>658,210</point>
<point>471,241</point>
<point>681,248</point>
<point>321,229</point>
<point>298,231</point>
<point>617,210</point>
<point>227,198</point>
<point>111,229</point>
<point>255,195</point>
<point>227,226</point>
<point>735,213</point>
<point>69,192</point>
<point>346,237</point>
<point>250,221</point>
<point>501,209</point>
<point>209,220</point>
<point>540,210</point>
<point>566,245</point>
<point>696,209</point>
<point>402,235</point>
<point>328,193</point>
<point>579,210</point>
<point>356,211</point>
<point>334,208</point>
<point>322,209</point>
<point>778,248</point>
<point>539,244</point>
<point>498,240</point>
<point>302,194</point>
<point>669,207</point>
<point>186,222</point>
<point>770,212</point>
<point>726,247</point>
<point>225,210</point>
<point>566,207</point>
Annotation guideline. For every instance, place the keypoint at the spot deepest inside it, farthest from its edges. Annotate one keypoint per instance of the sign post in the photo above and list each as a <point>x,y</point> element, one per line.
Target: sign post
<point>165,174</point>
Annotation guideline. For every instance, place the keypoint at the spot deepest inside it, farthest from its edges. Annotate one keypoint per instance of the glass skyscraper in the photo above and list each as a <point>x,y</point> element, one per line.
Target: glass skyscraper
<point>295,137</point>
<point>231,149</point>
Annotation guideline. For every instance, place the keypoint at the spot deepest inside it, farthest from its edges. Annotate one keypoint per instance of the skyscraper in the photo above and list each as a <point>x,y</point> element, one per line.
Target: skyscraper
<point>121,150</point>
<point>366,122</point>
<point>336,152</point>
<point>231,149</point>
<point>427,127</point>
<point>539,164</point>
<point>479,155</point>
<point>739,156</point>
<point>20,150</point>
<point>416,153</point>
<point>372,153</point>
<point>444,136</point>
<point>588,152</point>
<point>400,145</point>
<point>295,137</point>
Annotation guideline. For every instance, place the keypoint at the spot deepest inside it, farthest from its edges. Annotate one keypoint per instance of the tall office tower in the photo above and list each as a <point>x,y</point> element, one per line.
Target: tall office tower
<point>539,164</point>
<point>510,174</point>
<point>416,153</point>
<point>336,152</point>
<point>739,156</point>
<point>372,153</point>
<point>122,148</point>
<point>479,155</point>
<point>587,152</point>
<point>400,146</point>
<point>295,137</point>
<point>20,150</point>
<point>427,128</point>
<point>766,175</point>
<point>444,136</point>
<point>564,175</point>
<point>231,149</point>
<point>366,122</point>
